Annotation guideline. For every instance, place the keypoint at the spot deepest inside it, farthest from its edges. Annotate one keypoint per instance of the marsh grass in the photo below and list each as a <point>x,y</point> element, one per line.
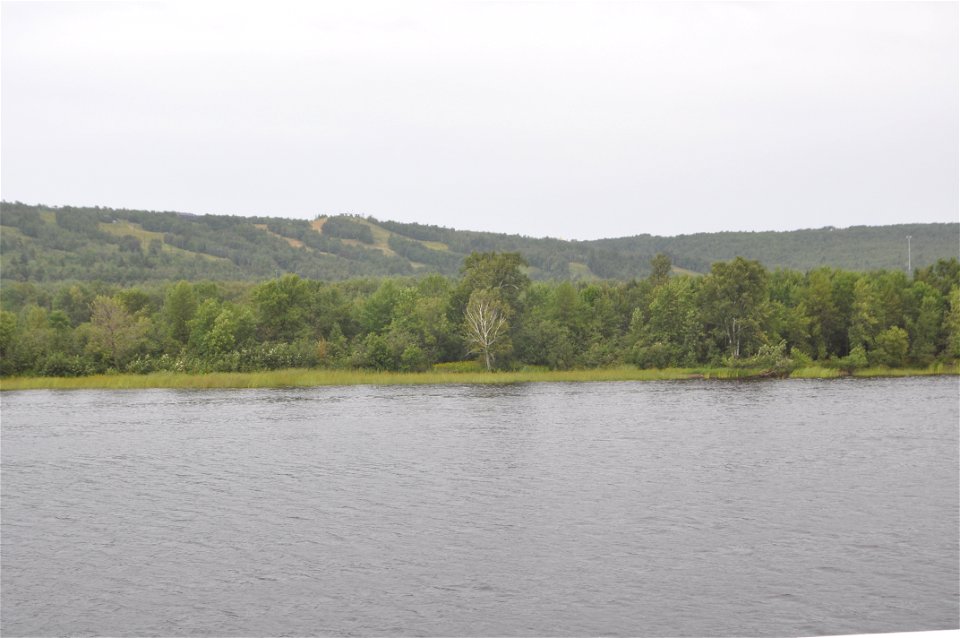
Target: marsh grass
<point>461,375</point>
<point>816,372</point>
<point>933,370</point>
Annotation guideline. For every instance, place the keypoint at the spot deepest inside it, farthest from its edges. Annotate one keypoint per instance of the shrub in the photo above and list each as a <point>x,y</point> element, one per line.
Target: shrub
<point>657,355</point>
<point>856,360</point>
<point>890,348</point>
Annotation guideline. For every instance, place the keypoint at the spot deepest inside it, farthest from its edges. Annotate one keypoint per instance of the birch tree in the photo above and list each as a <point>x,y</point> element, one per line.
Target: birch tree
<point>486,326</point>
<point>736,302</point>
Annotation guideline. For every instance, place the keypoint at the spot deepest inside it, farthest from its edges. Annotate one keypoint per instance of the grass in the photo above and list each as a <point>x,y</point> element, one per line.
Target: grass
<point>122,228</point>
<point>459,373</point>
<point>816,372</point>
<point>129,228</point>
<point>307,378</point>
<point>295,243</point>
<point>935,369</point>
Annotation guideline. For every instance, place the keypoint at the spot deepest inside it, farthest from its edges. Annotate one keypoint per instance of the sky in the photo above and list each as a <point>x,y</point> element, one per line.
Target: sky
<point>565,119</point>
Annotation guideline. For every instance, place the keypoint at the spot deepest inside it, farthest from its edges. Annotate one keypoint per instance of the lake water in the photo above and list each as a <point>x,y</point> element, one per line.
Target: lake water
<point>674,508</point>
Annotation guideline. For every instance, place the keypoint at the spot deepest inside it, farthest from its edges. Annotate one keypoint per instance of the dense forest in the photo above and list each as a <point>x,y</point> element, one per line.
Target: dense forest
<point>43,244</point>
<point>738,314</point>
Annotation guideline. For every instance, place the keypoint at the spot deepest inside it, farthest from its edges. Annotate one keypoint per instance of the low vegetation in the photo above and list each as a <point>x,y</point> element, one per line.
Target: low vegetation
<point>300,377</point>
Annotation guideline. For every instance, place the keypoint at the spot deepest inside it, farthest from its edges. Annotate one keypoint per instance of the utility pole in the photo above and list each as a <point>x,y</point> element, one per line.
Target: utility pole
<point>909,261</point>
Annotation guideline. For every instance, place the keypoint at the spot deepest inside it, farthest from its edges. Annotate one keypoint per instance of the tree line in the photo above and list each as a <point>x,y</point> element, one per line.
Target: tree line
<point>739,314</point>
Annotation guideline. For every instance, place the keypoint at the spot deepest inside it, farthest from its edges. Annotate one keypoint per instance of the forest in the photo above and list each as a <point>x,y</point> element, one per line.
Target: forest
<point>129,247</point>
<point>490,316</point>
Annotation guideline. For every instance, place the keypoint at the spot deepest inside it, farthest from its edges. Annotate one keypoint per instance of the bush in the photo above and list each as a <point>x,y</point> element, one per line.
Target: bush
<point>413,359</point>
<point>856,360</point>
<point>657,355</point>
<point>770,358</point>
<point>890,348</point>
<point>58,364</point>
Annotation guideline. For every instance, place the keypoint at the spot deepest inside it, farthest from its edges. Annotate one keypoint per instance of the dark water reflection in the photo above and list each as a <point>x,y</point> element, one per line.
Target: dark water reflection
<point>688,508</point>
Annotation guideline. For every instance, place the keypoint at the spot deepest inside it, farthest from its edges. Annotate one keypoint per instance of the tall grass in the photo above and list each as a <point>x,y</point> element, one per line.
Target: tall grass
<point>305,378</point>
<point>816,372</point>
<point>935,369</point>
<point>441,375</point>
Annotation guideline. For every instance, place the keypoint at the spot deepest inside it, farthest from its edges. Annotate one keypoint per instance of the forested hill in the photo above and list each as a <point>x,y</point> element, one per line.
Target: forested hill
<point>39,243</point>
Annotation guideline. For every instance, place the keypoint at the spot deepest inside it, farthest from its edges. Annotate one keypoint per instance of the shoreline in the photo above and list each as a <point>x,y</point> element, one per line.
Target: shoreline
<point>303,378</point>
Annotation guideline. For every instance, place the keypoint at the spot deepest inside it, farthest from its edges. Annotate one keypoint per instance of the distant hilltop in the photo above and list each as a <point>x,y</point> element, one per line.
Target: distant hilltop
<point>42,244</point>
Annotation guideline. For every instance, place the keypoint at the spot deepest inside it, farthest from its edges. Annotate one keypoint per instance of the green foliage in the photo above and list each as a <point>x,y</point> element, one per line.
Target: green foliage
<point>8,341</point>
<point>856,360</point>
<point>771,359</point>
<point>659,269</point>
<point>824,319</point>
<point>113,332</point>
<point>942,275</point>
<point>735,302</point>
<point>924,322</point>
<point>346,228</point>
<point>218,329</point>
<point>126,247</point>
<point>500,272</point>
<point>890,348</point>
<point>415,251</point>
<point>865,316</point>
<point>179,307</point>
<point>670,333</point>
<point>951,324</point>
<point>282,308</point>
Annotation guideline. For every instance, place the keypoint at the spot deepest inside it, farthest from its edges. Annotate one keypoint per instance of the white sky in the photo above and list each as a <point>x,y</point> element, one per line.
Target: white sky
<point>567,119</point>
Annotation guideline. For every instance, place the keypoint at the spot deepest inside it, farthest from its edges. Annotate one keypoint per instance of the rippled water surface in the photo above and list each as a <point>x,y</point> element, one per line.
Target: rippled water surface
<point>675,508</point>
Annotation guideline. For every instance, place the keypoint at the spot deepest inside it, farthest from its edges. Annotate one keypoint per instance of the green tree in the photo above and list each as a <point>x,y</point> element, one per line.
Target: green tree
<point>672,334</point>
<point>220,328</point>
<point>828,302</point>
<point>75,300</point>
<point>282,308</point>
<point>9,363</point>
<point>890,348</point>
<point>660,267</point>
<point>502,272</point>
<point>942,275</point>
<point>951,324</point>
<point>36,339</point>
<point>114,333</point>
<point>179,308</point>
<point>135,300</point>
<point>377,311</point>
<point>865,318</point>
<point>232,329</point>
<point>925,322</point>
<point>735,303</point>
<point>788,320</point>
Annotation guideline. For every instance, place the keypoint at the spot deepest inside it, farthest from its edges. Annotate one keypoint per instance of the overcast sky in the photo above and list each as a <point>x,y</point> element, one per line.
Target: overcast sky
<point>573,120</point>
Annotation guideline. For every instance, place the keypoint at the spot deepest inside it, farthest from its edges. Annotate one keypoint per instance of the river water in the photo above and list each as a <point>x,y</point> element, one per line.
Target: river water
<point>659,508</point>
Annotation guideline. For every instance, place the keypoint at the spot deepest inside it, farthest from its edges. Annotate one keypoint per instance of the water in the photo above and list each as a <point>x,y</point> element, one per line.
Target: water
<point>674,508</point>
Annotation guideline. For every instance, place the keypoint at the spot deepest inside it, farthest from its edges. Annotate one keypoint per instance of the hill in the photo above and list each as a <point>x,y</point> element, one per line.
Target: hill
<point>42,244</point>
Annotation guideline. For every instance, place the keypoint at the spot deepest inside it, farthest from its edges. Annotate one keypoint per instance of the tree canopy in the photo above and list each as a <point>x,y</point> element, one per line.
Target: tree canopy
<point>739,314</point>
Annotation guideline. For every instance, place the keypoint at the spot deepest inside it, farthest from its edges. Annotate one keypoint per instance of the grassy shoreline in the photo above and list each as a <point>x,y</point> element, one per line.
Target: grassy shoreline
<point>314,378</point>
